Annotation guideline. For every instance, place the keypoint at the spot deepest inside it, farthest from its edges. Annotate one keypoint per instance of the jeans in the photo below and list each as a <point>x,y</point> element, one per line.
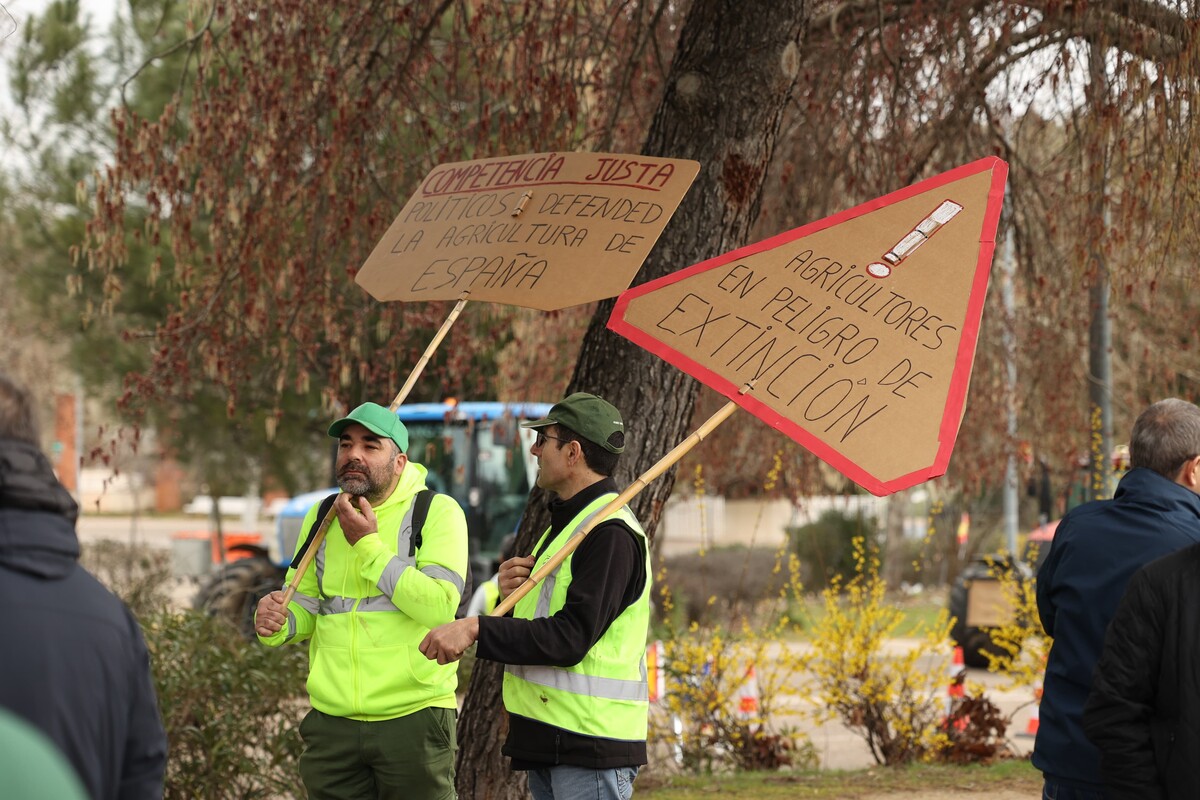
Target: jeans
<point>1053,790</point>
<point>581,783</point>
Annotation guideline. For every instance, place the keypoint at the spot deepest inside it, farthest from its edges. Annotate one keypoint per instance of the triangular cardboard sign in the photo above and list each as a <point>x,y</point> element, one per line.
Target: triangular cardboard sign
<point>857,332</point>
<point>541,230</point>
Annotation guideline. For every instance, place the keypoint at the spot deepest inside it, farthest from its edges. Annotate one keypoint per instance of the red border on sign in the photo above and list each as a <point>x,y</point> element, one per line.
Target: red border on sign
<point>959,380</point>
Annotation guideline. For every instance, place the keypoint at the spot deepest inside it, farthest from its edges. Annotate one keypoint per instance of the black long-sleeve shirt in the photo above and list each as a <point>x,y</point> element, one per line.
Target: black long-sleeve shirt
<point>608,574</point>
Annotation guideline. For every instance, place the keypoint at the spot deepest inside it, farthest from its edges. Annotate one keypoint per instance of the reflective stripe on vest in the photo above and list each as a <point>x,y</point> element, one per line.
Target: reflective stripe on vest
<point>578,683</point>
<point>390,578</point>
<point>309,604</point>
<point>438,572</point>
<point>344,605</point>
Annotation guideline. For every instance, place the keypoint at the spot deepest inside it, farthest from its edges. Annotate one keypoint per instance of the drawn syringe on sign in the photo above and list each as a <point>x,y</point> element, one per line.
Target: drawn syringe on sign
<point>904,248</point>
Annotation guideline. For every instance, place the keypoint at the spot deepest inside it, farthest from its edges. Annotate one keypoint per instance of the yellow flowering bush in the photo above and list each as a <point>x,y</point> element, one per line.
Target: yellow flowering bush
<point>886,694</point>
<point>726,689</point>
<point>1020,646</point>
<point>741,675</point>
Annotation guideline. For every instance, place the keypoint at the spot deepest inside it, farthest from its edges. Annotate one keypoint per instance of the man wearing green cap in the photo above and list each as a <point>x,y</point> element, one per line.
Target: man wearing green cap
<point>574,648</point>
<point>382,723</point>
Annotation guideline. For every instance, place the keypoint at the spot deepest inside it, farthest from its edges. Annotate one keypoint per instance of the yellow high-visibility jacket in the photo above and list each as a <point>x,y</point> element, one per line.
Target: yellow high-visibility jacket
<point>366,608</point>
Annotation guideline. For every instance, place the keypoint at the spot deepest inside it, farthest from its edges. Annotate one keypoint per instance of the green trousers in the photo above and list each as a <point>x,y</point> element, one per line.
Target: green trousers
<point>408,758</point>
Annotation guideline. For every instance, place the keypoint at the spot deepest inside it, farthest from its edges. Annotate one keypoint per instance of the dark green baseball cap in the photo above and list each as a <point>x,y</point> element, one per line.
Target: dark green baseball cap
<point>376,419</point>
<point>592,417</point>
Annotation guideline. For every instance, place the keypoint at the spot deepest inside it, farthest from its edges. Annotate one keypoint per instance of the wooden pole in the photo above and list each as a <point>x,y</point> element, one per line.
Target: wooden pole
<point>634,489</point>
<point>315,545</point>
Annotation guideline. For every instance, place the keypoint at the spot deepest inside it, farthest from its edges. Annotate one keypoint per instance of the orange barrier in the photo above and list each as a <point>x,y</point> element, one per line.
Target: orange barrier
<point>747,696</point>
<point>1031,727</point>
<point>957,674</point>
<point>232,540</point>
<point>654,670</point>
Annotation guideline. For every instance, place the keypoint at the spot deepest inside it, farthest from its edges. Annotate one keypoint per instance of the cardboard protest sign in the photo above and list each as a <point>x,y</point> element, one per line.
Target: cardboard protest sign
<point>856,333</point>
<point>543,230</point>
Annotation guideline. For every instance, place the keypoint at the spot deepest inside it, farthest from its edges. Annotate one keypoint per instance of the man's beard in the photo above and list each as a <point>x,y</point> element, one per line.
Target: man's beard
<point>373,486</point>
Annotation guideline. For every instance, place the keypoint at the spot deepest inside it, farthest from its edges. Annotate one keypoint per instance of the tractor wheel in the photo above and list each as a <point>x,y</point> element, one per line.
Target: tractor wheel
<point>233,592</point>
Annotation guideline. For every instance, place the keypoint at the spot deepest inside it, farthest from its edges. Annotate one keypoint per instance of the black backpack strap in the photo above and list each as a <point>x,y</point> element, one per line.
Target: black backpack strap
<point>326,504</point>
<point>420,510</point>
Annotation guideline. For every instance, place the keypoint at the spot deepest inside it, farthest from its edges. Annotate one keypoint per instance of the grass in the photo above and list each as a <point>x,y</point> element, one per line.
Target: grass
<point>920,612</point>
<point>912,781</point>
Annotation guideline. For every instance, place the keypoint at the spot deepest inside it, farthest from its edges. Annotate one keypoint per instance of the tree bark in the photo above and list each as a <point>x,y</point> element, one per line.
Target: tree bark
<point>731,78</point>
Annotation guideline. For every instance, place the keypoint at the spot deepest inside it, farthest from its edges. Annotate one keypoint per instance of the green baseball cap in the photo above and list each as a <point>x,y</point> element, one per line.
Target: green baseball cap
<point>377,420</point>
<point>592,417</point>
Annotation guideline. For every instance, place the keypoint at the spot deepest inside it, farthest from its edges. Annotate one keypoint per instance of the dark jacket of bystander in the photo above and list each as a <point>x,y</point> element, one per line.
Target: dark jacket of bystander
<point>1144,710</point>
<point>74,661</point>
<point>1096,548</point>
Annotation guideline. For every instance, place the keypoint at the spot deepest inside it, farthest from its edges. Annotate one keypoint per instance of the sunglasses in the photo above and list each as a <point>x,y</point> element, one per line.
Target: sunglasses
<point>540,441</point>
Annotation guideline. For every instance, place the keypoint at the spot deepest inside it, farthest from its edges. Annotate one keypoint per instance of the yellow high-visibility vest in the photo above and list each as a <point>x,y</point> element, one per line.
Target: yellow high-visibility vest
<point>606,694</point>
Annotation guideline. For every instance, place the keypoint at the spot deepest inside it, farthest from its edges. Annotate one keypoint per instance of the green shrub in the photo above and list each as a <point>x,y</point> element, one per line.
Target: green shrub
<point>727,690</point>
<point>825,547</point>
<point>137,575</point>
<point>231,708</point>
<point>890,699</point>
<point>722,586</point>
<point>725,696</point>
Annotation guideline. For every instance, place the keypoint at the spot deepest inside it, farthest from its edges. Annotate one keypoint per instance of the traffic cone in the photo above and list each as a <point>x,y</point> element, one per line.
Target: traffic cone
<point>747,696</point>
<point>957,674</point>
<point>654,670</point>
<point>1031,727</point>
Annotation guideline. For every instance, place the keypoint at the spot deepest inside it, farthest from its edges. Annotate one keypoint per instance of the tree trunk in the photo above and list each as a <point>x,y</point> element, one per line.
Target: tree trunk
<point>731,78</point>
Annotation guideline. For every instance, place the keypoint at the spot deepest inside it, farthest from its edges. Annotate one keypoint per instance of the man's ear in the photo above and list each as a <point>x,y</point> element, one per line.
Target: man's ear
<point>401,461</point>
<point>1190,475</point>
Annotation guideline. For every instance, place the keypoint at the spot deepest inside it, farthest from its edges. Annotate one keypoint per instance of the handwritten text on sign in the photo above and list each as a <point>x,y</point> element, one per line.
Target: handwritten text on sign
<point>547,230</point>
<point>856,363</point>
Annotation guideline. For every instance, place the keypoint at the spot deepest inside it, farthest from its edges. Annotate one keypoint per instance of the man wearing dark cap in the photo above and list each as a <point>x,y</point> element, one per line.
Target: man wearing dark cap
<point>574,648</point>
<point>382,723</point>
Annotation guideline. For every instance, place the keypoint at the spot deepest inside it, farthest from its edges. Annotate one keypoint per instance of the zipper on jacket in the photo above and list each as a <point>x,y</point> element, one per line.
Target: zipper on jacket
<point>354,666</point>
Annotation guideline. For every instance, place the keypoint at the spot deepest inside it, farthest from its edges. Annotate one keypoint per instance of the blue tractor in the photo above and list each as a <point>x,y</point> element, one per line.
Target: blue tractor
<point>475,452</point>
